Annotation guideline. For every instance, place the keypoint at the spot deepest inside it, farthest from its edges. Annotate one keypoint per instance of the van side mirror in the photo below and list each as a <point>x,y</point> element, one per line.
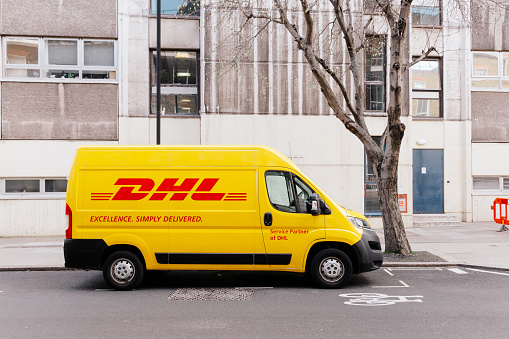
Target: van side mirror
<point>315,204</point>
<point>324,209</point>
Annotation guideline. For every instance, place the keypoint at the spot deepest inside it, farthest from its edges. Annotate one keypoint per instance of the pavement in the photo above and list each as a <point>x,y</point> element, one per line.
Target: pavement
<point>471,244</point>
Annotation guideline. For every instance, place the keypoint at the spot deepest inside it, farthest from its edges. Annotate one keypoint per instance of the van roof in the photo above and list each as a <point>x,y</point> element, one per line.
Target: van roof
<point>271,156</point>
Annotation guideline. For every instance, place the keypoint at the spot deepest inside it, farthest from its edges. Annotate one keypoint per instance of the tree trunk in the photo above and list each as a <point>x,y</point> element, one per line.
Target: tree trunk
<point>394,229</point>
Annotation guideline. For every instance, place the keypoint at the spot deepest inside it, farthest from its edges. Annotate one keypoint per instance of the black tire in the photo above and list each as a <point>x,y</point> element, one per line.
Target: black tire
<point>123,270</point>
<point>331,268</point>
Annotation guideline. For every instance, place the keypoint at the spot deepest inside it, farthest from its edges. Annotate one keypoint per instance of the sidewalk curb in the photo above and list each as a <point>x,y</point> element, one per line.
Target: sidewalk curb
<point>35,268</point>
<point>419,264</point>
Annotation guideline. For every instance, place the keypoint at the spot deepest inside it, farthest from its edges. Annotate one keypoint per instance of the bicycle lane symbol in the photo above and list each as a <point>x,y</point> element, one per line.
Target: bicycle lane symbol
<point>378,299</point>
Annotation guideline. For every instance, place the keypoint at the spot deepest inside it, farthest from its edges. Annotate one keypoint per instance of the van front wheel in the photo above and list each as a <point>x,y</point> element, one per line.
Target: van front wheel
<point>331,268</point>
<point>123,270</point>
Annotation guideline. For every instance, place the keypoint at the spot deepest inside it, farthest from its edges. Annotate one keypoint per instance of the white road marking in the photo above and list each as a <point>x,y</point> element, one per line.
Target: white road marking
<point>415,269</point>
<point>499,273</point>
<point>457,270</point>
<point>401,282</point>
<point>375,299</point>
<point>389,272</point>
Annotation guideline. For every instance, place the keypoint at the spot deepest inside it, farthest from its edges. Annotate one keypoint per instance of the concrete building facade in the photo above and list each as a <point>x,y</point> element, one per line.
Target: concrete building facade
<point>74,75</point>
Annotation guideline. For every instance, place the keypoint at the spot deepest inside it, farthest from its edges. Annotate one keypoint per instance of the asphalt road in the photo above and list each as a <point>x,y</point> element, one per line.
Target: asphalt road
<point>395,302</point>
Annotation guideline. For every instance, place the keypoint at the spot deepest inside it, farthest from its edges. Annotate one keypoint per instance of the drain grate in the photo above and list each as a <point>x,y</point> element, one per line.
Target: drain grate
<point>212,294</point>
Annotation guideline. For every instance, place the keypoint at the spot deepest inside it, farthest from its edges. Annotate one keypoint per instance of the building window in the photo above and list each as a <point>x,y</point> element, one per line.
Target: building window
<point>375,73</point>
<point>426,13</point>
<point>490,71</point>
<point>371,201</point>
<point>372,7</point>
<point>45,58</point>
<point>32,187</point>
<point>177,7</point>
<point>491,184</point>
<point>179,83</point>
<point>427,89</point>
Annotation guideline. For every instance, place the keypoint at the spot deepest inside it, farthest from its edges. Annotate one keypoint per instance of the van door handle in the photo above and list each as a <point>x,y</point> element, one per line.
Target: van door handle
<point>267,219</point>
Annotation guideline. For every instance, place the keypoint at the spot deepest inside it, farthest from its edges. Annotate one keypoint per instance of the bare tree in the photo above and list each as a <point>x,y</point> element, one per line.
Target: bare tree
<point>345,89</point>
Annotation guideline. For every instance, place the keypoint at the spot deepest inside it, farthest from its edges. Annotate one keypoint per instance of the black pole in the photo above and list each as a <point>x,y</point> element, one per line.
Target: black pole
<point>158,75</point>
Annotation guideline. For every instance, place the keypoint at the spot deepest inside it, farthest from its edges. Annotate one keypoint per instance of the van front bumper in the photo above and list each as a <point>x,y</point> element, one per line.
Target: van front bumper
<point>84,253</point>
<point>369,252</point>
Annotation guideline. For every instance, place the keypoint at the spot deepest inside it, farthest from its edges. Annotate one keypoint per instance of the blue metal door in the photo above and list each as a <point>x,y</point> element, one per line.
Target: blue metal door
<point>428,181</point>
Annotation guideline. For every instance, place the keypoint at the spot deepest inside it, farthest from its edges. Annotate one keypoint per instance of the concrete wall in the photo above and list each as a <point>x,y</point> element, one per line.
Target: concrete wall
<point>44,158</point>
<point>134,80</point>
<point>174,131</point>
<point>36,214</point>
<point>21,218</point>
<point>490,25</point>
<point>34,111</point>
<point>488,160</point>
<point>269,76</point>
<point>188,39</point>
<point>65,18</point>
<point>489,117</point>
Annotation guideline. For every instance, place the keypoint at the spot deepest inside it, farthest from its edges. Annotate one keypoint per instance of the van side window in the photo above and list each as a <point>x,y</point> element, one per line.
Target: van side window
<point>287,192</point>
<point>279,189</point>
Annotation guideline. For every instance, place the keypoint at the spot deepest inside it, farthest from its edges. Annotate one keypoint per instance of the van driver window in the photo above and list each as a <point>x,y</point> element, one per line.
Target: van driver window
<point>281,187</point>
<point>280,192</point>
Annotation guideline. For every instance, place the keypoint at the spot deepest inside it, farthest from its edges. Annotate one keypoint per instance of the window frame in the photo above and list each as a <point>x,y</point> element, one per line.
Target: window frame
<point>383,82</point>
<point>43,62</point>
<point>500,70</point>
<point>41,195</point>
<point>175,89</point>
<point>429,94</point>
<point>502,181</point>
<point>426,4</point>
<point>153,12</point>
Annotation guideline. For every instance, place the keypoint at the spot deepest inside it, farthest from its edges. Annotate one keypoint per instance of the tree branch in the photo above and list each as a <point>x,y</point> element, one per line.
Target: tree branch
<point>385,5</point>
<point>334,76</point>
<point>358,112</point>
<point>309,21</point>
<point>422,57</point>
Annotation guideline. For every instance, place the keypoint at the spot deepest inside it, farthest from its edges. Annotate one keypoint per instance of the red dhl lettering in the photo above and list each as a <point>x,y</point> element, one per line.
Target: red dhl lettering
<point>132,189</point>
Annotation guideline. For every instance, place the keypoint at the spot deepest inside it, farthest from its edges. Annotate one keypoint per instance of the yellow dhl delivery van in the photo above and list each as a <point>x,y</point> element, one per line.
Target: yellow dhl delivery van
<point>137,208</point>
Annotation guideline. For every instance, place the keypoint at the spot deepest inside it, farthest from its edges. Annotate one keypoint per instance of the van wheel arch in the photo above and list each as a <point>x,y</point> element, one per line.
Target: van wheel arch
<point>343,247</point>
<point>129,248</point>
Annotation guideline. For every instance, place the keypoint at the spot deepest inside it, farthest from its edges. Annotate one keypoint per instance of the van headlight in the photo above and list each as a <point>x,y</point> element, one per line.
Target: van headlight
<point>359,223</point>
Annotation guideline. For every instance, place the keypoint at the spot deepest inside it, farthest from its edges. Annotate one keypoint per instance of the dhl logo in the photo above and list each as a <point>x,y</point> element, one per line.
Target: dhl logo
<point>140,188</point>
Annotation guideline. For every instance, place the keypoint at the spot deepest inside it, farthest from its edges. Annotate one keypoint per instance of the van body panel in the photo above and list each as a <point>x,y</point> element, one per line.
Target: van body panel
<point>203,208</point>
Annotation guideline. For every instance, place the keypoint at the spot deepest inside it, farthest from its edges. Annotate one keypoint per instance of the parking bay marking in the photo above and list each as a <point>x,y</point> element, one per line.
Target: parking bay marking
<point>476,270</point>
<point>414,269</point>
<point>400,281</point>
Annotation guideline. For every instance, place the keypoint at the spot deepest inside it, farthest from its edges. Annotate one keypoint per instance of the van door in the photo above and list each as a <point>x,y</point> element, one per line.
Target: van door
<point>288,227</point>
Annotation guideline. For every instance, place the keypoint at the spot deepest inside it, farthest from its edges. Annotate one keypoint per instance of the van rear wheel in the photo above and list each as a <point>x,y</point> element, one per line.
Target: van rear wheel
<point>123,270</point>
<point>331,268</point>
